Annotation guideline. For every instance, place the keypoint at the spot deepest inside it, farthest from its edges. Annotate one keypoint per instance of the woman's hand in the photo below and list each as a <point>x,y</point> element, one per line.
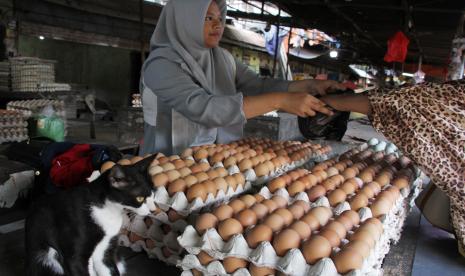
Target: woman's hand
<point>302,104</point>
<point>315,87</point>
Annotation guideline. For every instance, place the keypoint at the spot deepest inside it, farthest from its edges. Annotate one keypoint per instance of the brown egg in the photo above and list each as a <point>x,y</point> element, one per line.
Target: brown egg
<point>189,162</point>
<point>365,236</point>
<point>328,184</point>
<point>349,173</point>
<point>237,205</point>
<point>346,221</point>
<point>316,192</point>
<point>260,210</point>
<point>195,272</point>
<point>348,188</point>
<point>154,170</point>
<point>174,216</point>
<point>366,176</point>
<point>204,222</point>
<point>260,271</point>
<point>133,237</point>
<point>185,171</point>
<point>249,200</point>
<point>261,170</point>
<point>190,180</point>
<point>286,240</point>
<point>196,168</point>
<point>372,228</point>
<point>311,180</point>
<point>204,166</point>
<point>245,165</point>
<point>160,180</point>
<point>240,179</point>
<point>106,166</point>
<point>168,167</point>
<point>367,191</point>
<point>232,182</point>
<point>210,187</point>
<point>173,175</point>
<point>247,218</point>
<point>311,221</point>
<point>331,236</point>
<point>201,154</point>
<point>360,246</point>
<point>179,164</point>
<point>296,210</point>
<point>174,157</point>
<point>212,174</point>
<point>286,215</point>
<point>177,186</point>
<point>280,201</point>
<point>232,264</point>
<point>337,196</point>
<point>302,229</point>
<point>358,201</point>
<point>337,227</point>
<point>294,175</point>
<point>217,157</point>
<point>380,207</point>
<point>321,175</point>
<point>223,212</point>
<point>270,204</point>
<point>204,258</point>
<point>259,197</point>
<point>316,248</point>
<point>401,182</point>
<point>163,160</point>
<point>322,214</point>
<point>196,191</point>
<point>230,161</point>
<point>352,215</point>
<point>229,227</point>
<point>275,222</point>
<point>296,187</point>
<point>276,184</point>
<point>201,176</point>
<point>222,172</point>
<point>258,234</point>
<point>221,184</point>
<point>187,153</point>
<point>347,260</point>
<point>136,159</point>
<point>303,204</point>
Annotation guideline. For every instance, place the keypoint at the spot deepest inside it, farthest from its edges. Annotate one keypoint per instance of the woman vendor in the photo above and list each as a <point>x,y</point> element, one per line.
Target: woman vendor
<point>195,92</point>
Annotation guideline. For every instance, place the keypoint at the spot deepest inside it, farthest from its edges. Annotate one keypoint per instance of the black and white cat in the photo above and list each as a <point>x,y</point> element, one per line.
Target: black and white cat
<point>75,232</point>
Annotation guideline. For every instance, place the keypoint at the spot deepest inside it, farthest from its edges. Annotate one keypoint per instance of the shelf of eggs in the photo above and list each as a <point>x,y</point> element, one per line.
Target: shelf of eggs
<point>201,177</point>
<point>296,234</point>
<point>13,126</point>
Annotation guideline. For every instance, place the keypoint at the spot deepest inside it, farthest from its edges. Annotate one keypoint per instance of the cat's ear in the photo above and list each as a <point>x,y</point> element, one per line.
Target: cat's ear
<point>117,177</point>
<point>144,164</point>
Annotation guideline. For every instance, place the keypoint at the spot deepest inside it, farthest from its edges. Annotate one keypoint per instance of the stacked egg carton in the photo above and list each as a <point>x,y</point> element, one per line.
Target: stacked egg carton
<point>28,73</point>
<point>308,240</point>
<point>13,126</point>
<point>5,76</point>
<point>202,177</point>
<point>30,108</point>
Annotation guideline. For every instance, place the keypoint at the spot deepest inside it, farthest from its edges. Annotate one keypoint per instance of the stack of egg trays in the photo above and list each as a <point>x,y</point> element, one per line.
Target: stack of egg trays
<point>189,211</point>
<point>293,263</point>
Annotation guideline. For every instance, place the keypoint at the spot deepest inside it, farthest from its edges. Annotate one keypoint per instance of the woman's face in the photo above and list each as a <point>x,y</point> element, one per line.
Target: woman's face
<point>213,27</point>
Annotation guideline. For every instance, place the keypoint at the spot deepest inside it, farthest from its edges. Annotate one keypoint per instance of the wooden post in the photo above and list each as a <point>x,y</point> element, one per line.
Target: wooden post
<point>142,43</point>
<point>276,50</point>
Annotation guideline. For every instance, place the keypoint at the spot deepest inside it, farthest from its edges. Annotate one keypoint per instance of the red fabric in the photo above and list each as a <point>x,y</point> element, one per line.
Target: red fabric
<point>350,85</point>
<point>72,167</point>
<point>397,48</point>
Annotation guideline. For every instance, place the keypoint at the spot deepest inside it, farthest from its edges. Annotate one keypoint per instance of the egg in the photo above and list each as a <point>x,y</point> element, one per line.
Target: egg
<point>173,175</point>
<point>196,191</point>
<point>294,175</point>
<point>187,153</point>
<point>280,201</point>
<point>204,222</point>
<point>270,204</point>
<point>222,172</point>
<point>359,246</point>
<point>210,187</point>
<point>240,179</point>
<point>261,170</point>
<point>106,166</point>
<point>229,227</point>
<point>349,173</point>
<point>259,197</point>
<point>316,192</point>
<point>372,228</point>
<point>212,174</point>
<point>230,161</point>
<point>316,248</point>
<point>174,216</point>
<point>196,168</point>
<point>321,175</point>
<point>358,201</point>
<point>174,157</point>
<point>345,221</point>
<point>136,159</point>
<point>204,258</point>
<point>231,264</point>
<point>124,162</point>
<point>365,236</point>
<point>337,227</point>
<point>163,160</point>
<point>337,196</point>
<point>260,210</point>
<point>286,240</point>
<point>160,180</point>
<point>133,237</point>
<point>217,157</point>
<point>322,214</point>
<point>331,236</point>
<point>249,200</point>
<point>352,215</point>
<point>232,182</point>
<point>245,164</point>
<point>190,180</point>
<point>258,234</point>
<point>179,164</point>
<point>296,210</point>
<point>276,184</point>
<point>223,212</point>
<point>177,186</point>
<point>376,222</point>
<point>286,215</point>
<point>185,171</point>
<point>380,207</point>
<point>237,205</point>
<point>347,260</point>
<point>302,229</point>
<point>204,166</point>
<point>348,188</point>
<point>274,221</point>
<point>260,271</point>
<point>401,182</point>
<point>311,221</point>
<point>201,154</point>
<point>305,205</point>
<point>247,218</point>
<point>332,171</point>
<point>221,184</point>
<point>168,167</point>
<point>374,186</point>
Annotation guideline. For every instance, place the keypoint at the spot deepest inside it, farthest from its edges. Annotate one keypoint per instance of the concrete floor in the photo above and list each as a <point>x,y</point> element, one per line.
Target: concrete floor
<point>423,250</point>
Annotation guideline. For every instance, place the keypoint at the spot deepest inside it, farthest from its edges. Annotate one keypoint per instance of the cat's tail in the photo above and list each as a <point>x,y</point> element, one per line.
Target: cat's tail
<point>45,262</point>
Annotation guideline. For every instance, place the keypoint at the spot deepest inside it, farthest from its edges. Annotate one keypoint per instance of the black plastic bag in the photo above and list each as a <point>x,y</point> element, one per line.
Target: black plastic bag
<point>322,126</point>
